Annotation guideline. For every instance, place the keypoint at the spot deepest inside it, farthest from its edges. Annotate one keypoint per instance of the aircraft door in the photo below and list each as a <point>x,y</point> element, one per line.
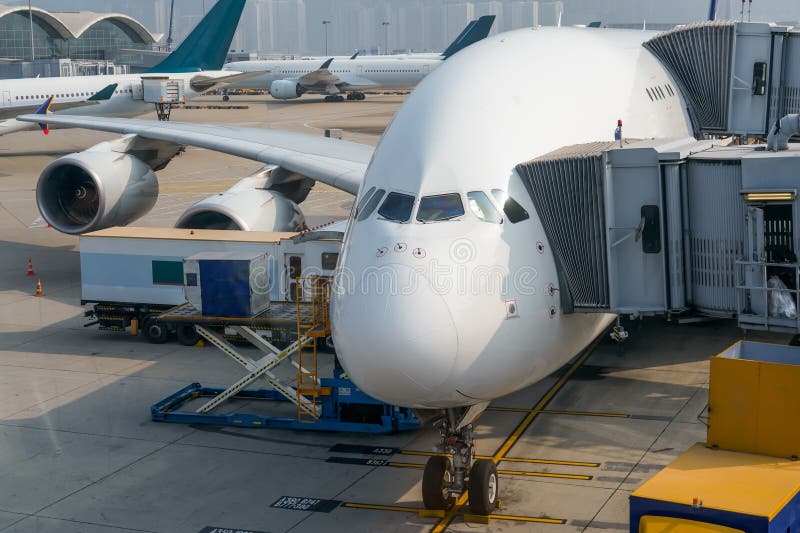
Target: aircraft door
<point>426,69</point>
<point>138,90</point>
<point>5,98</point>
<point>293,269</point>
<point>360,70</point>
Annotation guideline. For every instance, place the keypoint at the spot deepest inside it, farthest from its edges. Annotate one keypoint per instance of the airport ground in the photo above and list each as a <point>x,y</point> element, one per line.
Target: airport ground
<point>79,453</point>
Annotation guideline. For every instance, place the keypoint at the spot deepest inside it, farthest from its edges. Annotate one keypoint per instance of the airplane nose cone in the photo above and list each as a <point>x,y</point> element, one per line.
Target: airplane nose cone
<point>397,345</point>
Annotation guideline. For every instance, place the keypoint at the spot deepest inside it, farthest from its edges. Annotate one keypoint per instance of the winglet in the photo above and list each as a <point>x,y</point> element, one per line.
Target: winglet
<point>43,110</point>
<point>355,55</point>
<point>477,31</point>
<point>326,64</point>
<point>103,94</point>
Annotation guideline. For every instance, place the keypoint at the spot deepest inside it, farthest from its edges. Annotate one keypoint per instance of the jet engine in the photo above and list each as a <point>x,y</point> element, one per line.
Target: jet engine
<point>246,206</point>
<point>96,189</point>
<point>285,90</point>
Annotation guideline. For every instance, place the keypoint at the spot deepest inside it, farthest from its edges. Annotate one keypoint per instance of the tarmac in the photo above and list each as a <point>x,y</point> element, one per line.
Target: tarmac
<point>79,452</point>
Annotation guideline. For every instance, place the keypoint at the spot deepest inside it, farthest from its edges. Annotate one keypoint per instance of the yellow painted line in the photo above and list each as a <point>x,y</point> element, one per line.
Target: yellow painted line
<point>585,413</point>
<point>442,525</point>
<point>544,474</point>
<point>417,510</point>
<point>506,472</point>
<point>509,459</point>
<point>539,407</point>
<point>381,507</point>
<point>509,409</point>
<point>543,461</point>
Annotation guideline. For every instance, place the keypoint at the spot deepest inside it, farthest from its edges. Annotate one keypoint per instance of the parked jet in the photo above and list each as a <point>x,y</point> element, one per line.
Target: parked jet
<point>440,209</point>
<point>196,62</point>
<point>289,79</point>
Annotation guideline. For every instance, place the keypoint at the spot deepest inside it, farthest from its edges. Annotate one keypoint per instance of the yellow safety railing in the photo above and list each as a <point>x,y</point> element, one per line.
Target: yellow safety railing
<point>313,296</point>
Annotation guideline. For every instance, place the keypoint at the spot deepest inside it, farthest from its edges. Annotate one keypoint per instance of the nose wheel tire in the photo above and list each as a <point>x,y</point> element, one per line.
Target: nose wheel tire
<point>483,487</point>
<point>436,481</point>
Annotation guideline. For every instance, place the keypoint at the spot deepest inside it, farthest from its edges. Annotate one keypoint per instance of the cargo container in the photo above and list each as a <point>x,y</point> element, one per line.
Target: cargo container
<point>227,284</point>
<point>131,274</point>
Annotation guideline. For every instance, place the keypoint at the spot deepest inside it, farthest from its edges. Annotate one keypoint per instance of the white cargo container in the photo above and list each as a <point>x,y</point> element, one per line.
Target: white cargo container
<point>163,90</point>
<point>132,273</point>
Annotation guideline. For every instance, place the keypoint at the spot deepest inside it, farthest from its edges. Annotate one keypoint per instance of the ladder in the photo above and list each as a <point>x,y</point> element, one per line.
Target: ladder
<point>313,295</point>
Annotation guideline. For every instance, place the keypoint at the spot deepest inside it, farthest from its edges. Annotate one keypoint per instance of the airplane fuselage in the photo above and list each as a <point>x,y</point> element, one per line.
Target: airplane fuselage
<point>394,73</point>
<point>451,306</point>
<point>127,100</point>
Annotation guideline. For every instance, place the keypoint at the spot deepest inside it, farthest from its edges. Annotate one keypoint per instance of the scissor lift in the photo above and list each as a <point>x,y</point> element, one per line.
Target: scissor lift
<point>327,404</point>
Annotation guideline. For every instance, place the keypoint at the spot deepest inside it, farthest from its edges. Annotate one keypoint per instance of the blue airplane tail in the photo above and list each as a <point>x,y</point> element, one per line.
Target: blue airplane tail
<point>208,44</point>
<point>474,32</point>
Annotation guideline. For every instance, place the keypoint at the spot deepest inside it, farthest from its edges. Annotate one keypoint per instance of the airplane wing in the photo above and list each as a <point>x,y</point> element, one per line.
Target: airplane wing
<point>202,83</point>
<point>104,94</point>
<point>321,76</point>
<point>340,164</point>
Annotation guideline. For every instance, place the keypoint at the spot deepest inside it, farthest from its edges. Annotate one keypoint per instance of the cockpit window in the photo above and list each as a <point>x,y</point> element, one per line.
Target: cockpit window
<point>371,205</point>
<point>514,212</point>
<point>397,207</point>
<point>364,200</point>
<point>483,208</point>
<point>440,207</point>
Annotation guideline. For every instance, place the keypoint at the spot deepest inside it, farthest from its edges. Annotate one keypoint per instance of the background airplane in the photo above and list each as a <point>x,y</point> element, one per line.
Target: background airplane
<point>289,79</point>
<point>197,62</point>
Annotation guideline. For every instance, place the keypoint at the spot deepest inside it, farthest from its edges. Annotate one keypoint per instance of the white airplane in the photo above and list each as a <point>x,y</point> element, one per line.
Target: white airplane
<point>439,205</point>
<point>289,79</point>
<point>197,62</point>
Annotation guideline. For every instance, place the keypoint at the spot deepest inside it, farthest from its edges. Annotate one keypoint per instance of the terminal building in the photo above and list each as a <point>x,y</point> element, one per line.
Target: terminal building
<point>70,43</point>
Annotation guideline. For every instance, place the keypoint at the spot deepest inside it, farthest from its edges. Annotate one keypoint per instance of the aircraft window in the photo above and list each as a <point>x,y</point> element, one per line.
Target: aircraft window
<point>514,212</point>
<point>397,207</point>
<point>440,207</point>
<point>483,208</point>
<point>364,199</point>
<point>371,205</point>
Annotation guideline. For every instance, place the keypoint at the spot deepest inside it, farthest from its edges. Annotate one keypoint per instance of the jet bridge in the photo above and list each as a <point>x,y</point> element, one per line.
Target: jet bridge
<point>673,226</point>
<point>738,77</point>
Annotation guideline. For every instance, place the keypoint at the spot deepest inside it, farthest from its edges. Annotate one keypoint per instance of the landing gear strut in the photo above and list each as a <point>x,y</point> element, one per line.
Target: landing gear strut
<point>447,476</point>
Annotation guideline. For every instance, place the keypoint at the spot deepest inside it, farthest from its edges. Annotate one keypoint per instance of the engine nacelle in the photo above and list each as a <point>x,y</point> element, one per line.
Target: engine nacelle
<point>95,189</point>
<point>246,206</point>
<point>285,90</point>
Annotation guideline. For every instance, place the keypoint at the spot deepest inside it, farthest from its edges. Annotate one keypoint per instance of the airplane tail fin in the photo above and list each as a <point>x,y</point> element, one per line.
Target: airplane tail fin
<point>474,32</point>
<point>208,44</point>
<point>43,110</point>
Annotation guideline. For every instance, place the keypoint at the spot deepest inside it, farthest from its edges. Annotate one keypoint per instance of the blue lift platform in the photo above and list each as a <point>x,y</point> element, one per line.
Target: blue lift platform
<point>326,404</point>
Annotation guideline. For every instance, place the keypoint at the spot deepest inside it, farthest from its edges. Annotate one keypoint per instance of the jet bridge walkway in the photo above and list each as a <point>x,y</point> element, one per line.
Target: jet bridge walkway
<point>323,404</point>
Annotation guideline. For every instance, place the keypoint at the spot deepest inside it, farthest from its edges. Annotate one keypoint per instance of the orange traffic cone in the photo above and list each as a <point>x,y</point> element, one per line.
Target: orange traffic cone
<point>39,291</point>
<point>30,268</point>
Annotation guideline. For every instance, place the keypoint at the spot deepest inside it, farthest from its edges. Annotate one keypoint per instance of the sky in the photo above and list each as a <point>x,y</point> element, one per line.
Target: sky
<point>294,26</point>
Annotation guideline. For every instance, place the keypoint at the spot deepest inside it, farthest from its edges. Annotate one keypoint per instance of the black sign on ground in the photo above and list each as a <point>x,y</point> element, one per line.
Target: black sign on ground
<point>357,461</point>
<point>366,450</point>
<point>300,503</point>
<point>212,529</point>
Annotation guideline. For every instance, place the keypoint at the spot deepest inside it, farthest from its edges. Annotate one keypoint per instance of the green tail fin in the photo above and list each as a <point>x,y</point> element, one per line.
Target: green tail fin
<point>208,44</point>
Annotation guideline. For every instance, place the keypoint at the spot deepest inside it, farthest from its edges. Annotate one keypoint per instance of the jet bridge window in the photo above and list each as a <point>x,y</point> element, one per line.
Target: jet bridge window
<point>370,206</point>
<point>513,210</point>
<point>440,207</point>
<point>483,208</point>
<point>397,207</point>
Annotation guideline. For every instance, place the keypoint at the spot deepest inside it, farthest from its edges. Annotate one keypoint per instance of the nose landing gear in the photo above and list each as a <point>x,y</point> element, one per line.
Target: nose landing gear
<point>449,475</point>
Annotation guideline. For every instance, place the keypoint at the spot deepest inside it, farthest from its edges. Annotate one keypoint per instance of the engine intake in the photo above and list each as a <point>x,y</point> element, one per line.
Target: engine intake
<point>285,90</point>
<point>95,189</point>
